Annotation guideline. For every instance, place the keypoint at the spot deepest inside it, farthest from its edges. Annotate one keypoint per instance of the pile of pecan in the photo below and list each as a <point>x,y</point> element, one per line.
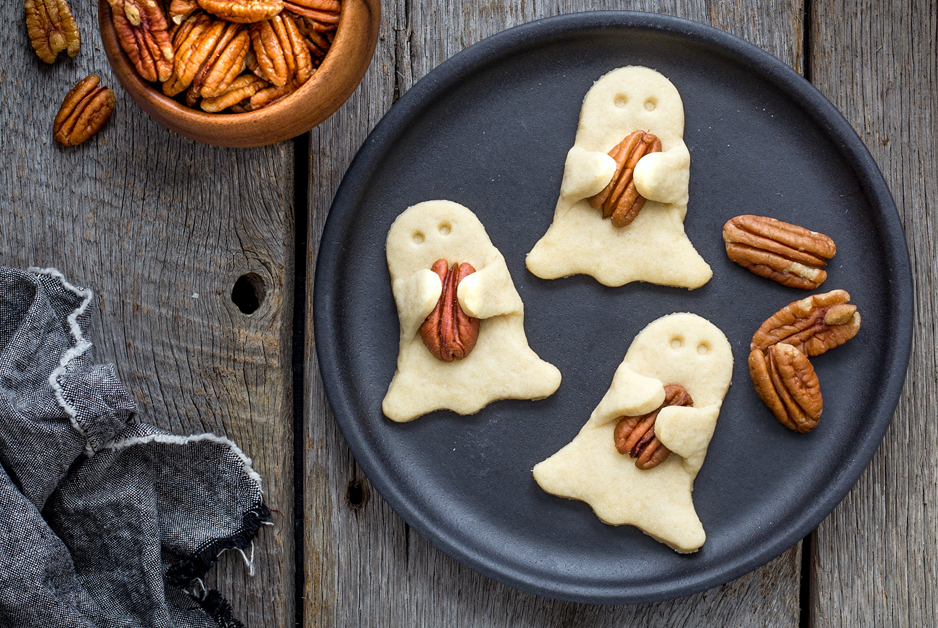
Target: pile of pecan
<point>778,360</point>
<point>237,55</point>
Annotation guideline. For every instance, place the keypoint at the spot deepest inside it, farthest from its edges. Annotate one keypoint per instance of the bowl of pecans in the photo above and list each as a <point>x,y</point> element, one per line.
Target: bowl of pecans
<point>239,72</point>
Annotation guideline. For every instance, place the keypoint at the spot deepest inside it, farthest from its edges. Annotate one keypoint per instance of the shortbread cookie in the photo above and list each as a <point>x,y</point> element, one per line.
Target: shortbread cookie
<point>679,349</point>
<point>653,246</point>
<point>499,364</point>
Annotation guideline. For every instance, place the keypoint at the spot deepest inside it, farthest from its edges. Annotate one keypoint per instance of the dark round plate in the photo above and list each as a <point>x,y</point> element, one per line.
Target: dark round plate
<point>490,129</point>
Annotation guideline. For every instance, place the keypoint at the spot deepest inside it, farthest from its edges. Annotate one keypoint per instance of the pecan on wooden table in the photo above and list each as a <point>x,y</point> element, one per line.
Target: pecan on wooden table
<point>51,29</point>
<point>86,109</point>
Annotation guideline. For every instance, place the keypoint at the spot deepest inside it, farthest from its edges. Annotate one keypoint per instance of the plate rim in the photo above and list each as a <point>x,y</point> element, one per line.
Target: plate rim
<point>804,95</point>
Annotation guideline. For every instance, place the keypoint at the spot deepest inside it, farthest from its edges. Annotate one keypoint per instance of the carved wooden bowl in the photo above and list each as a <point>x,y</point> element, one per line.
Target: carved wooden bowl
<point>329,87</point>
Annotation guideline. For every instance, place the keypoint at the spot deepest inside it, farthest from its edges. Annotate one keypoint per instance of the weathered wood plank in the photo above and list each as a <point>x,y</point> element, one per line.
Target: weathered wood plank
<point>161,228</point>
<point>364,566</point>
<point>873,559</point>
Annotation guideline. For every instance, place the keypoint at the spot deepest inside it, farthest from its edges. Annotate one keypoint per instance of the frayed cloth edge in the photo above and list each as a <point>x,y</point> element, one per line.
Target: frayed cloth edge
<point>197,565</point>
<point>173,439</point>
<point>81,346</point>
<point>218,608</point>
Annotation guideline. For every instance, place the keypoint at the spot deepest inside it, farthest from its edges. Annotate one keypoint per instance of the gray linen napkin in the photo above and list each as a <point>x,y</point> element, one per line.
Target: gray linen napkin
<point>105,522</point>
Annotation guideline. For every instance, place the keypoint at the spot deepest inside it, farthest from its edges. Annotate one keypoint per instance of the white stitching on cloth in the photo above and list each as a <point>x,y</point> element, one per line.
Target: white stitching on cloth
<point>172,439</point>
<point>81,346</point>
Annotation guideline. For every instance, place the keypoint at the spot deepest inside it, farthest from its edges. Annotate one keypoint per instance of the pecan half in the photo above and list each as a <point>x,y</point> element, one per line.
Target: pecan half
<point>51,29</point>
<point>302,63</point>
<point>243,11</point>
<point>635,435</point>
<point>194,42</point>
<point>620,200</point>
<point>812,325</point>
<point>86,109</point>
<point>269,95</point>
<point>791,255</point>
<point>242,88</point>
<point>272,47</point>
<point>144,36</point>
<point>222,66</point>
<point>179,10</point>
<point>322,11</point>
<point>316,42</point>
<point>786,382</point>
<point>448,332</point>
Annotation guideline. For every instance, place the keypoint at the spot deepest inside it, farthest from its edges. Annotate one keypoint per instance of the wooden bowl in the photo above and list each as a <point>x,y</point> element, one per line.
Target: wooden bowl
<point>330,86</point>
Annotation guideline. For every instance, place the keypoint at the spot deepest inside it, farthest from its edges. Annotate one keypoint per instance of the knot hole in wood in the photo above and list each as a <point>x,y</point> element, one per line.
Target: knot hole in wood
<point>249,292</point>
<point>356,494</point>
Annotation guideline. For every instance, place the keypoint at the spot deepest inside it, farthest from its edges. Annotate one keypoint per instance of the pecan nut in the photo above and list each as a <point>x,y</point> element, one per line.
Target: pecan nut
<point>812,325</point>
<point>222,66</point>
<point>635,435</point>
<point>788,254</point>
<point>448,332</point>
<point>785,380</point>
<point>273,50</point>
<point>194,42</point>
<point>51,29</point>
<point>325,12</point>
<point>316,41</point>
<point>86,109</point>
<point>269,95</point>
<point>243,11</point>
<point>620,199</point>
<point>143,32</point>
<point>179,10</point>
<point>242,88</point>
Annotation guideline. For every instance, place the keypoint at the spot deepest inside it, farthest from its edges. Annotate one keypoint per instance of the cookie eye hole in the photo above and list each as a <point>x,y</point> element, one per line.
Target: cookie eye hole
<point>418,237</point>
<point>703,348</point>
<point>677,342</point>
<point>445,228</point>
<point>650,104</point>
<point>621,100</point>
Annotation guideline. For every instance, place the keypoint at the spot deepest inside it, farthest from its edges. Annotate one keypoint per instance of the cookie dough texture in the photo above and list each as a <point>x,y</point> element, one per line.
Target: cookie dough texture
<point>502,365</point>
<point>653,247</point>
<point>680,349</point>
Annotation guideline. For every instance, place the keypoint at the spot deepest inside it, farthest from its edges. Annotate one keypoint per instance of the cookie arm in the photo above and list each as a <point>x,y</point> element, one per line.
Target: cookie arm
<point>631,394</point>
<point>586,173</point>
<point>687,432</point>
<point>416,297</point>
<point>664,177</point>
<point>489,291</point>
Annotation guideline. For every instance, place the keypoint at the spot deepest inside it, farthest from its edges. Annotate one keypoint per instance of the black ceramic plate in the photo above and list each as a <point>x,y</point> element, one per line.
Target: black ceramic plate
<point>490,129</point>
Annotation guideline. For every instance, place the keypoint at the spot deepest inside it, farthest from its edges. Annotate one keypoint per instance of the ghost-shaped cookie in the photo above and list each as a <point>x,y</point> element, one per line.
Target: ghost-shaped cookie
<point>682,349</point>
<point>654,247</point>
<point>501,365</point>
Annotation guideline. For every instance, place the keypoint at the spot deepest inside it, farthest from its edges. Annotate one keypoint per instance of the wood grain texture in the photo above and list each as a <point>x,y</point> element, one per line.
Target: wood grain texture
<point>364,566</point>
<point>161,227</point>
<point>873,560</point>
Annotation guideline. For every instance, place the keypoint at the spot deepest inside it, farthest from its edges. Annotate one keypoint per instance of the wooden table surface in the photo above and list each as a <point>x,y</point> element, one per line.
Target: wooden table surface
<point>162,228</point>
